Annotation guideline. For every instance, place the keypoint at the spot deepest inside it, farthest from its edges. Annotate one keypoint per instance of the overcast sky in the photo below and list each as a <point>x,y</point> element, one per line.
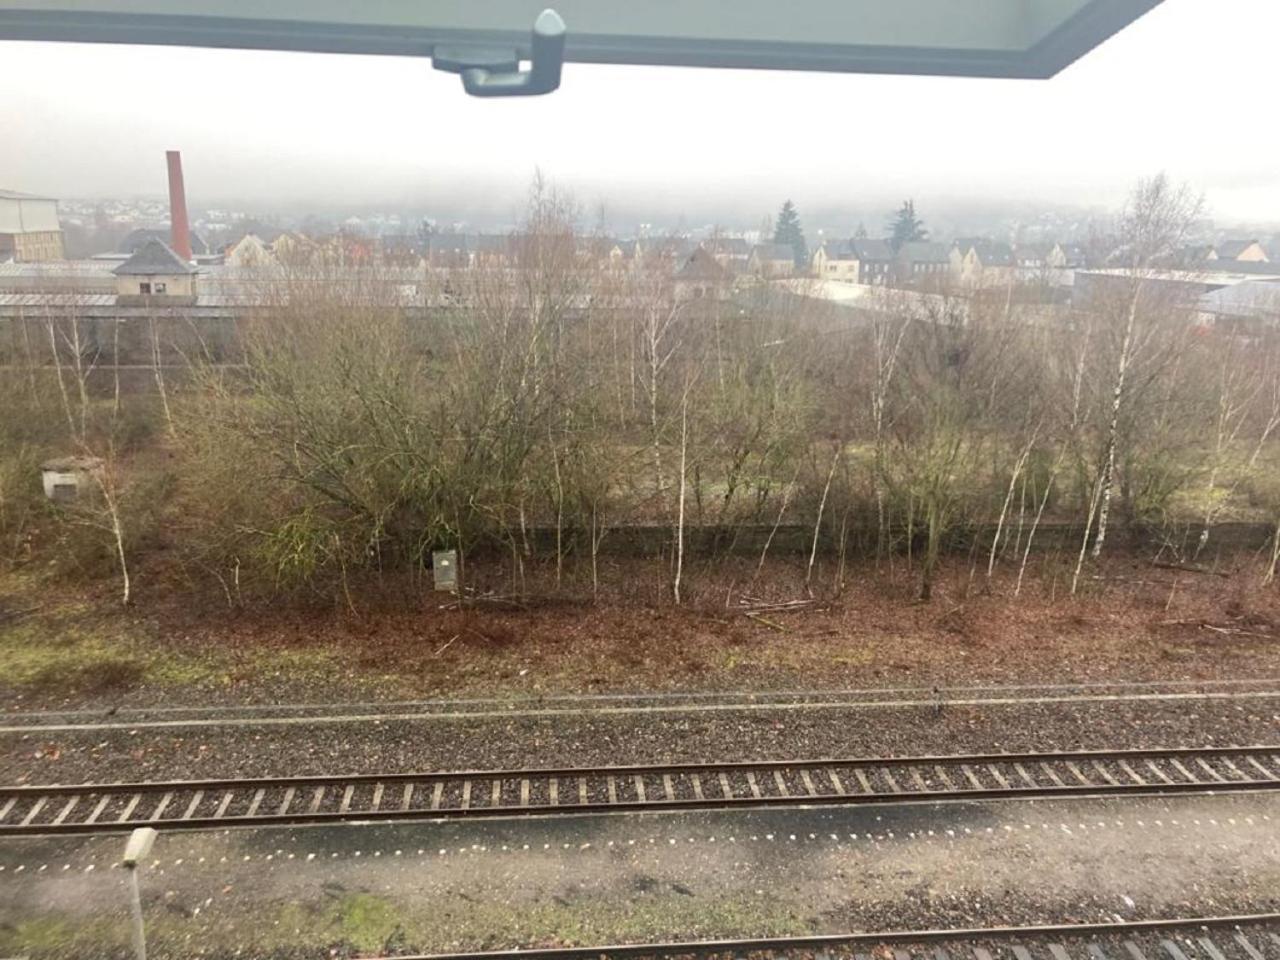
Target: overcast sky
<point>1190,88</point>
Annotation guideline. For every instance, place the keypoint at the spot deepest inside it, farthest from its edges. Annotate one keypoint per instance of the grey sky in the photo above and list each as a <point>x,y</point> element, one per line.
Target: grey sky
<point>1189,88</point>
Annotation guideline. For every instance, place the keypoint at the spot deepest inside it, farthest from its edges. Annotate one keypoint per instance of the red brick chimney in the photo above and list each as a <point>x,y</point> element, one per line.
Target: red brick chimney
<point>179,226</point>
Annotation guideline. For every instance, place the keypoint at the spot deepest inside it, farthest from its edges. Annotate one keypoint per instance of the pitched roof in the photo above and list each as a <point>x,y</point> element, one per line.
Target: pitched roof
<point>155,258</point>
<point>1075,253</point>
<point>992,253</point>
<point>702,265</point>
<point>727,246</point>
<point>773,251</point>
<point>871,249</point>
<point>925,251</point>
<point>1230,249</point>
<point>135,240</point>
<point>676,248</point>
<point>1196,252</point>
<point>1034,251</point>
<point>837,249</point>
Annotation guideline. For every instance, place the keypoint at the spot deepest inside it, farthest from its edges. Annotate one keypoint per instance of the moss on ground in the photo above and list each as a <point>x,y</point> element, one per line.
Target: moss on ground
<point>59,645</point>
<point>61,935</point>
<point>64,646</point>
<point>364,923</point>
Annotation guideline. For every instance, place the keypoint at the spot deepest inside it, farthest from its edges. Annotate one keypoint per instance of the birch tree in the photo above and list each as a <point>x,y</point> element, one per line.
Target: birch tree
<point>1153,229</point>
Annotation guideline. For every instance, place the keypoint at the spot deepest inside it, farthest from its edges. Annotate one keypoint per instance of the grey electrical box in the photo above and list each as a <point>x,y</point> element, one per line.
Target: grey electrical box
<point>444,569</point>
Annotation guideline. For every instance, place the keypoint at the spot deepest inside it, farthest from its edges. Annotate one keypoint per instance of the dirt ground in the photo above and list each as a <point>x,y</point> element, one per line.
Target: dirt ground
<point>393,889</point>
<point>63,648</point>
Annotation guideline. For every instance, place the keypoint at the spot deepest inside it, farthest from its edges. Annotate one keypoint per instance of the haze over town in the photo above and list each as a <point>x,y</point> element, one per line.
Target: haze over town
<point>282,132</point>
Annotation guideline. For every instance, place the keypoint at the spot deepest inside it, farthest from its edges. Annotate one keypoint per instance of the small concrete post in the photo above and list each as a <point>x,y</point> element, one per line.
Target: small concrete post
<point>138,847</point>
<point>139,932</point>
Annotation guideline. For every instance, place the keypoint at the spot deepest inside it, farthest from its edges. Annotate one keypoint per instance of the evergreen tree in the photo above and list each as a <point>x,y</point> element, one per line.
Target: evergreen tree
<point>426,230</point>
<point>905,227</point>
<point>861,232</point>
<point>789,233</point>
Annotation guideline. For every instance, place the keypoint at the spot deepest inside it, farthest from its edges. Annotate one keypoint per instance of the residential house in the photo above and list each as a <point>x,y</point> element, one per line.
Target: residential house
<point>959,250</point>
<point>1228,251</point>
<point>1242,251</point>
<point>294,248</point>
<point>835,260</point>
<point>491,250</point>
<point>448,251</point>
<point>554,249</point>
<point>1068,256</point>
<point>1032,258</point>
<point>702,277</point>
<point>407,249</point>
<point>624,253</point>
<point>249,251</point>
<point>729,252</point>
<point>771,260</point>
<point>601,251</point>
<point>1195,254</point>
<point>665,253</point>
<point>978,263</point>
<point>854,261</point>
<point>875,261</point>
<point>922,264</point>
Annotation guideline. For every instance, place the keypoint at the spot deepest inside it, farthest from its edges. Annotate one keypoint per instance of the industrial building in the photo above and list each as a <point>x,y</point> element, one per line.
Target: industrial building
<point>29,228</point>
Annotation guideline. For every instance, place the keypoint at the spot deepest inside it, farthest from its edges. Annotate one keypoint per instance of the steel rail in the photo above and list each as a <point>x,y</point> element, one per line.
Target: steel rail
<point>272,801</point>
<point>739,947</point>
<point>854,695</point>
<point>626,709</point>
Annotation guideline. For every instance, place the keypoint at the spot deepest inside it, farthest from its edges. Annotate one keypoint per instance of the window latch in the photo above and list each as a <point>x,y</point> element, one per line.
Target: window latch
<point>488,72</point>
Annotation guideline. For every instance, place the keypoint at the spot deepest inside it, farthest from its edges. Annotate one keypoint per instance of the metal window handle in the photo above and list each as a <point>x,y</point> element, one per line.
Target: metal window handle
<point>490,73</point>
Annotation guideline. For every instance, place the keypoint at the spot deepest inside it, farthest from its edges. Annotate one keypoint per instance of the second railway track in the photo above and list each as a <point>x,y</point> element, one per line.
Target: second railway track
<point>203,804</point>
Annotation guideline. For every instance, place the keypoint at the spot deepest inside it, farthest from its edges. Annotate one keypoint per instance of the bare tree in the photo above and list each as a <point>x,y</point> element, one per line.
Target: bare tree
<point>1153,229</point>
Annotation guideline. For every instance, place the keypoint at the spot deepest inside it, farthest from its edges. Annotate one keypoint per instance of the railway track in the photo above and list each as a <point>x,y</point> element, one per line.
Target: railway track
<point>201,804</point>
<point>1246,937</point>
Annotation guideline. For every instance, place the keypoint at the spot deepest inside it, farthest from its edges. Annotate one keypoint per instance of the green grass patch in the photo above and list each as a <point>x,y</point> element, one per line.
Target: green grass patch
<point>369,924</point>
<point>69,646</point>
<point>60,935</point>
<point>365,921</point>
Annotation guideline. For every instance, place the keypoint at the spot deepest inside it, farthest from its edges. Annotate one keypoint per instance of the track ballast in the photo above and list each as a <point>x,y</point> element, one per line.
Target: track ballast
<point>203,804</point>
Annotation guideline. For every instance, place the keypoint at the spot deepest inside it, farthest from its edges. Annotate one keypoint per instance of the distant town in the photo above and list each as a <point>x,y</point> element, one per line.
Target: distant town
<point>147,254</point>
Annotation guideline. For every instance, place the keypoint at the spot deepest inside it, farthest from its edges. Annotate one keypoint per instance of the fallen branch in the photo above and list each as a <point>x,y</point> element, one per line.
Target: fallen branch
<point>768,623</point>
<point>470,596</point>
<point>776,603</point>
<point>1189,568</point>
<point>1225,631</point>
<point>447,645</point>
<point>1235,632</point>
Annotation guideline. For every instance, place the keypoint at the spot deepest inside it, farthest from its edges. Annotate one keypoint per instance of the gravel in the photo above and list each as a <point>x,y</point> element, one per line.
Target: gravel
<point>593,739</point>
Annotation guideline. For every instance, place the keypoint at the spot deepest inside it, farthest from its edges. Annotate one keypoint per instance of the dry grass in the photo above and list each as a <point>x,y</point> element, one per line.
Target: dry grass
<point>1134,622</point>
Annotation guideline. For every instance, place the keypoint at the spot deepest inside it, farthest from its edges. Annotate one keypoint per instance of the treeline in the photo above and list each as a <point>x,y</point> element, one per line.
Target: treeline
<point>562,405</point>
